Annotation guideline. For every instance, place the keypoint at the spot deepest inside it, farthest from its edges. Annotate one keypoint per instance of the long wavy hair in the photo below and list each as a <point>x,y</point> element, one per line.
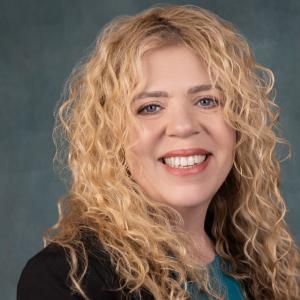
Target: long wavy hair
<point>245,218</point>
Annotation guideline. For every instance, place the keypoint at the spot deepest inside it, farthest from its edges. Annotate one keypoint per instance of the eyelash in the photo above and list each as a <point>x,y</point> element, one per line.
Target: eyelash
<point>212,99</point>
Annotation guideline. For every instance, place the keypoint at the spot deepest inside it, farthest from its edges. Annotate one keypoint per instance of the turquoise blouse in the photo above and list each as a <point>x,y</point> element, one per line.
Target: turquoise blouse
<point>230,285</point>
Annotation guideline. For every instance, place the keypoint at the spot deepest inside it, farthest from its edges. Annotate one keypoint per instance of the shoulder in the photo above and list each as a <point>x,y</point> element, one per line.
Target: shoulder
<point>45,276</point>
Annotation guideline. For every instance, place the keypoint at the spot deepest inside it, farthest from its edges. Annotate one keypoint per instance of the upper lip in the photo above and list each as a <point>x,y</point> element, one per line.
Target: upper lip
<point>186,152</point>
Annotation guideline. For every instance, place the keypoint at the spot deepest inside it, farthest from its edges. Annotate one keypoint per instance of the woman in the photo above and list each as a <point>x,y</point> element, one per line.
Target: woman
<point>174,188</point>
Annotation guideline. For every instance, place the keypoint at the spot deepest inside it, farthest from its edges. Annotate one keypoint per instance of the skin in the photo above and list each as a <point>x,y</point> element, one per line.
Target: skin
<point>178,120</point>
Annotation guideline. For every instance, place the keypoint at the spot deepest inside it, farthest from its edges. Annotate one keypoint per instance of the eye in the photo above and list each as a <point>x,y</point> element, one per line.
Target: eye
<point>149,109</point>
<point>208,102</point>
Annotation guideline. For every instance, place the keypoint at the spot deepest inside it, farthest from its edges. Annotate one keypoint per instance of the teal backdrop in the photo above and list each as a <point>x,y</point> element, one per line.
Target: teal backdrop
<point>41,41</point>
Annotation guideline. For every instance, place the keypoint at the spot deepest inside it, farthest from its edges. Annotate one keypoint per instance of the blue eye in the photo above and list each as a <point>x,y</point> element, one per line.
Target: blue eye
<point>148,109</point>
<point>208,102</point>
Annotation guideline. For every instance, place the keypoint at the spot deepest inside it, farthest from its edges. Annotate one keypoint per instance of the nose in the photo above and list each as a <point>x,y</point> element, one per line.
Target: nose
<point>182,122</point>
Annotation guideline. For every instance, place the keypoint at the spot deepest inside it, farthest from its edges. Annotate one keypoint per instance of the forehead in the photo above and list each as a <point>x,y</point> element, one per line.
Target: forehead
<point>172,68</point>
<point>170,59</point>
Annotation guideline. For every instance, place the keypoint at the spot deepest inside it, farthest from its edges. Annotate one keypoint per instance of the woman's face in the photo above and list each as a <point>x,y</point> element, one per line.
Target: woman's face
<point>176,117</point>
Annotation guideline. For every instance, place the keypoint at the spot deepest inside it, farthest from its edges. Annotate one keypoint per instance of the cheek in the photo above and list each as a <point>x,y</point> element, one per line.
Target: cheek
<point>225,139</point>
<point>227,133</point>
<point>229,142</point>
<point>142,139</point>
<point>140,150</point>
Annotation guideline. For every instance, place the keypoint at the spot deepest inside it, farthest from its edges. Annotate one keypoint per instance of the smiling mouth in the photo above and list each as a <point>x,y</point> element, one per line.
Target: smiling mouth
<point>184,162</point>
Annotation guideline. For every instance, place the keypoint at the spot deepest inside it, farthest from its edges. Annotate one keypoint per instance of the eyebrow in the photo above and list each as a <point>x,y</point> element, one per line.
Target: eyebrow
<point>158,94</point>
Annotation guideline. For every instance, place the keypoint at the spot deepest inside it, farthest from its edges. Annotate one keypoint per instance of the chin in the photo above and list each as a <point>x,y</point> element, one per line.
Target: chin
<point>191,203</point>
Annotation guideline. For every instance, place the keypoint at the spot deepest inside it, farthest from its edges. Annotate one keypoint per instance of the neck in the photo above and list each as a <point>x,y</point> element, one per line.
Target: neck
<point>203,249</point>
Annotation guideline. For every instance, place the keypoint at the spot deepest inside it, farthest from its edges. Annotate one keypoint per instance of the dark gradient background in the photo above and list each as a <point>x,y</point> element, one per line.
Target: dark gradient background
<point>41,41</point>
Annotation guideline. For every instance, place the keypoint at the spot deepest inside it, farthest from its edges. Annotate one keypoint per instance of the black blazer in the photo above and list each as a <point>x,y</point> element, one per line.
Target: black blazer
<point>44,277</point>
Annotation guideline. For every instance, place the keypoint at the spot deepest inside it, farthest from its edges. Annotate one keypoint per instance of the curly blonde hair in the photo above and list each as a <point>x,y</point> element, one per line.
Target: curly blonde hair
<point>245,218</point>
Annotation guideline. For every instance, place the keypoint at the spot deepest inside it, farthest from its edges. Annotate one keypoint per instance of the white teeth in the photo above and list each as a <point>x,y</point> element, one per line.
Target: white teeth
<point>190,160</point>
<point>197,159</point>
<point>181,162</point>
